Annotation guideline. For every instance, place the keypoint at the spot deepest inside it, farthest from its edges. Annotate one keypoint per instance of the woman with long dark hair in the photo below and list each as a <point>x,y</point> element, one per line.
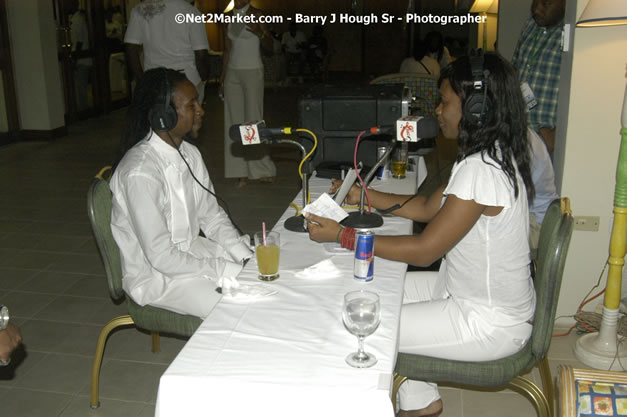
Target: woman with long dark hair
<point>477,306</point>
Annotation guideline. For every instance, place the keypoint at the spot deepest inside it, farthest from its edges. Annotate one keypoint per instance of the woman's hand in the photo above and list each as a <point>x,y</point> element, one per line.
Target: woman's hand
<point>322,229</point>
<point>354,194</point>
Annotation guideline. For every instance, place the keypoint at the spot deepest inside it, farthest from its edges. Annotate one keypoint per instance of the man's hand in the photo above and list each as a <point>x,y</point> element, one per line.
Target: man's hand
<point>548,136</point>
<point>10,338</point>
<point>132,58</point>
<point>322,229</point>
<point>203,65</point>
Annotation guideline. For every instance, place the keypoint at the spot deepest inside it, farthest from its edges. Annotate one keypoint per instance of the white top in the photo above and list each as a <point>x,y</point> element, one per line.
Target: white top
<point>245,53</point>
<point>167,43</point>
<point>542,175</point>
<point>426,65</point>
<point>292,44</point>
<point>488,270</point>
<point>269,356</point>
<point>158,211</point>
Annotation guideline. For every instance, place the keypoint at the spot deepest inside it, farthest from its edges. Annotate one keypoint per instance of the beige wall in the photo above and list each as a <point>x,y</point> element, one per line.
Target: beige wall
<point>33,43</point>
<point>512,17</point>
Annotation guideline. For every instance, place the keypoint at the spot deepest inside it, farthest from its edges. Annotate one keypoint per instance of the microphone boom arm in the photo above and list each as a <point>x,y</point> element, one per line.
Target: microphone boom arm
<point>305,173</point>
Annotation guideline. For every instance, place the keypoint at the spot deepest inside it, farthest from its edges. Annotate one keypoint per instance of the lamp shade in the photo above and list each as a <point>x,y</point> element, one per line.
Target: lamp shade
<point>494,7</point>
<point>229,6</point>
<point>604,13</point>
<point>480,6</point>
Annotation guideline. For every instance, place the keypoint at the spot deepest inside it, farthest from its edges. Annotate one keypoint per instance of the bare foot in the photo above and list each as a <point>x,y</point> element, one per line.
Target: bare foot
<point>432,410</point>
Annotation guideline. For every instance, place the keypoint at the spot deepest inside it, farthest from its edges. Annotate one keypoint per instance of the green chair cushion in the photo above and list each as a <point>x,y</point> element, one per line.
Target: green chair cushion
<point>160,320</point>
<point>483,374</point>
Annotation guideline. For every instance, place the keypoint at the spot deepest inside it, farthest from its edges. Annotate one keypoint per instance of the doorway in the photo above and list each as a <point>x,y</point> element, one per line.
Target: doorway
<point>91,56</point>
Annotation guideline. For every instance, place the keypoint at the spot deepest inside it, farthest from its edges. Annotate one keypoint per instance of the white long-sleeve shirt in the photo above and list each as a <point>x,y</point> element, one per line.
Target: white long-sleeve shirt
<point>157,214</point>
<point>542,175</point>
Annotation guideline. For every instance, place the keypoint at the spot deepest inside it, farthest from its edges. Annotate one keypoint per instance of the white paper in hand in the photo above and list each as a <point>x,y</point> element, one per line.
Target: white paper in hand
<point>324,206</point>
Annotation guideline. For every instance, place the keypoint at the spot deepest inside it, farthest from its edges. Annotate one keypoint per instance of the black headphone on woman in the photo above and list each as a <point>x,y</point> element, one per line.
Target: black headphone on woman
<point>162,115</point>
<point>478,107</point>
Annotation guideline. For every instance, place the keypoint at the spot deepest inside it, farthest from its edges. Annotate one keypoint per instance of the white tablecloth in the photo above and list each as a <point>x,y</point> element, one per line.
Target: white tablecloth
<point>283,355</point>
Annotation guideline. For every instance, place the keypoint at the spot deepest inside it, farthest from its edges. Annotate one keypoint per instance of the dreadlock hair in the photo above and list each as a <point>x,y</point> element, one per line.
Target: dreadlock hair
<point>508,125</point>
<point>148,92</point>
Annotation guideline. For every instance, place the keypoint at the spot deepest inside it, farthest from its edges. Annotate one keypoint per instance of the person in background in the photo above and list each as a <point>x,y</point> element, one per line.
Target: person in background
<point>166,43</point>
<point>420,63</point>
<point>317,49</point>
<point>82,65</point>
<point>294,43</point>
<point>538,57</point>
<point>543,178</point>
<point>482,299</point>
<point>242,84</point>
<point>176,243</point>
<point>436,48</point>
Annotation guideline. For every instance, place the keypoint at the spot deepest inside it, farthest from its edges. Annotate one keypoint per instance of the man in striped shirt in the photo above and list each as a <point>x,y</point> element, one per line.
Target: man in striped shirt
<point>537,58</point>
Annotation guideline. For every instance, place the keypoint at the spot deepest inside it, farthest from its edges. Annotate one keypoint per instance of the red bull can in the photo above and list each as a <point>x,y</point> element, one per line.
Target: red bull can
<point>381,170</point>
<point>364,256</point>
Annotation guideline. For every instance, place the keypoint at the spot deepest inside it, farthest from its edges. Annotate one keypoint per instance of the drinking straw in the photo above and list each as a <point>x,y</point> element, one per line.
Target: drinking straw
<point>263,228</point>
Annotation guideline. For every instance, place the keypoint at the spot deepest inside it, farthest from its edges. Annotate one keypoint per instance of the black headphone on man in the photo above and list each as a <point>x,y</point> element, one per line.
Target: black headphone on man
<point>478,107</point>
<point>162,115</point>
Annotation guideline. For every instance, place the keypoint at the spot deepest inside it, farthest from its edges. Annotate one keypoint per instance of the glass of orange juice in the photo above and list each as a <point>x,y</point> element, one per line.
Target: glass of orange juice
<point>399,160</point>
<point>267,251</point>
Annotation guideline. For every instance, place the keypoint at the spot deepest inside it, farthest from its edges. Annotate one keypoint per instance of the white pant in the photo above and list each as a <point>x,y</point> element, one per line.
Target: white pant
<point>435,324</point>
<point>243,102</point>
<point>194,296</point>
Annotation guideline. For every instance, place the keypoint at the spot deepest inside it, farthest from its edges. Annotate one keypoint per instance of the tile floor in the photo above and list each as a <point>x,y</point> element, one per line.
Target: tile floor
<point>52,279</point>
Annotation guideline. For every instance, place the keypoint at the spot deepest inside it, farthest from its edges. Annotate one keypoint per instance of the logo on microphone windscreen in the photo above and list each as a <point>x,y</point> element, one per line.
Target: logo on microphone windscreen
<point>406,129</point>
<point>250,133</point>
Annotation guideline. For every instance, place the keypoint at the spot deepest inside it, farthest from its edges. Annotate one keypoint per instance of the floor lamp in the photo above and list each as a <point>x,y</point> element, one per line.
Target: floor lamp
<point>603,350</point>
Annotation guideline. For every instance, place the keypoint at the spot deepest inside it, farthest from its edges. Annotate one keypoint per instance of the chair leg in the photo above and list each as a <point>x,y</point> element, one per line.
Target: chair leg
<point>398,381</point>
<point>102,340</point>
<point>547,382</point>
<point>534,393</point>
<point>156,342</point>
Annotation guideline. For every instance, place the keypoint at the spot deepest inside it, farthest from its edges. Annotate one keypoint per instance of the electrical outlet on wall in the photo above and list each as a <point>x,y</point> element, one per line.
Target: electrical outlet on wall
<point>587,223</point>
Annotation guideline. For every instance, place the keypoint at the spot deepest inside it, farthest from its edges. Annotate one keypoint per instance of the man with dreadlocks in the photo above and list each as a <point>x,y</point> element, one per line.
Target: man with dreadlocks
<point>164,204</point>
<point>166,43</point>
